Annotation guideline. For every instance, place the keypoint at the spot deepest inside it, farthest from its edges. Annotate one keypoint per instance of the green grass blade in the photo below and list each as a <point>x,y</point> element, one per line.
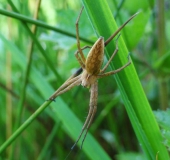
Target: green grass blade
<point>134,98</point>
<point>35,40</point>
<point>40,24</point>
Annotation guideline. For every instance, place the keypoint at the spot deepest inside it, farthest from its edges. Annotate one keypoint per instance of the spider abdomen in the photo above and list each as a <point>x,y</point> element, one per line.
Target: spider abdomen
<point>95,57</point>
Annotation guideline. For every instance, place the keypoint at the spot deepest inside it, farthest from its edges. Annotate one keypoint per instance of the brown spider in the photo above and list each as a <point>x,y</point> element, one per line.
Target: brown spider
<point>91,73</point>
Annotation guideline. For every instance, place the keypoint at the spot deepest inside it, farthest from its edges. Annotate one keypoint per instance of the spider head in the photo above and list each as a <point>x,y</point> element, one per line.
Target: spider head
<point>87,79</point>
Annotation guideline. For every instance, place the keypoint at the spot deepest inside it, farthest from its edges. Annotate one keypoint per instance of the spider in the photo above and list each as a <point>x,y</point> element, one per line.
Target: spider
<point>91,72</point>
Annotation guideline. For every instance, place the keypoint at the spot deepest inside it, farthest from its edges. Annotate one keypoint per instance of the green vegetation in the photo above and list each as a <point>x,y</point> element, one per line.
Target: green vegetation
<point>35,61</point>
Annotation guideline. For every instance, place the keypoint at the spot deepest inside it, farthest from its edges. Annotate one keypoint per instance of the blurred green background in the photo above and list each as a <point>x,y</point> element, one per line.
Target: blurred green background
<point>147,39</point>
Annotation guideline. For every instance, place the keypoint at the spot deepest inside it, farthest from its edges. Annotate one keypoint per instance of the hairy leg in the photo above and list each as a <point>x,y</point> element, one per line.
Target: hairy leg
<point>91,113</point>
<point>114,53</point>
<point>119,29</point>
<point>82,59</point>
<point>79,58</point>
<point>66,86</point>
<point>115,71</point>
<point>75,74</point>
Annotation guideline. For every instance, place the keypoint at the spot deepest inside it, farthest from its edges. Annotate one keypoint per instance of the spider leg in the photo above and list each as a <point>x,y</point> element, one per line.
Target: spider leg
<point>114,53</point>
<point>79,70</point>
<point>66,86</point>
<point>91,113</point>
<point>115,71</point>
<point>79,58</point>
<point>75,74</point>
<point>83,59</point>
<point>119,29</point>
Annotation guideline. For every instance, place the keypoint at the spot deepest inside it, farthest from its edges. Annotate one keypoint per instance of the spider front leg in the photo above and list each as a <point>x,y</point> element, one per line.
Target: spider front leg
<point>91,113</point>
<point>69,84</point>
